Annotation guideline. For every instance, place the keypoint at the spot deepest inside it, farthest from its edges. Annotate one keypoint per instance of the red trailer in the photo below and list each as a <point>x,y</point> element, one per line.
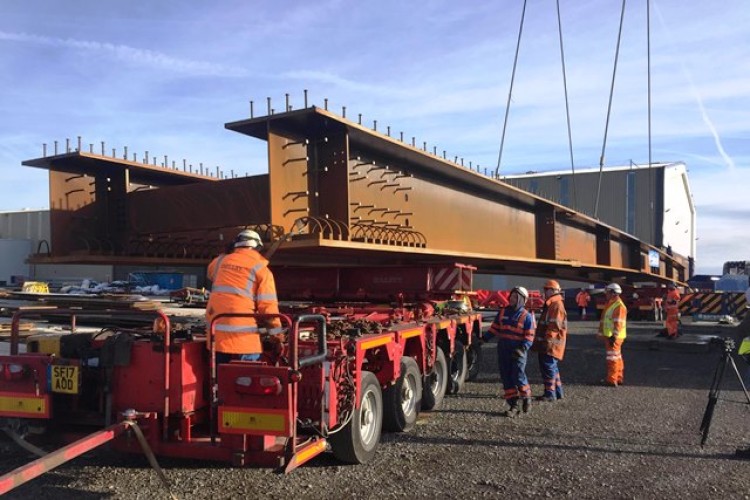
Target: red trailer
<point>345,372</point>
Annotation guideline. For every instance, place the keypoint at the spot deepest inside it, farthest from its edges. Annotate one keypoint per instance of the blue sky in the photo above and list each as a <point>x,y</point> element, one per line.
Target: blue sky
<point>164,76</point>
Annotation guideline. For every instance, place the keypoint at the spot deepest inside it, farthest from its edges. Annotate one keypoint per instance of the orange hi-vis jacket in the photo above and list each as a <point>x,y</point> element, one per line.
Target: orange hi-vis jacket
<point>583,299</point>
<point>514,325</point>
<point>672,304</point>
<point>242,283</point>
<point>552,331</point>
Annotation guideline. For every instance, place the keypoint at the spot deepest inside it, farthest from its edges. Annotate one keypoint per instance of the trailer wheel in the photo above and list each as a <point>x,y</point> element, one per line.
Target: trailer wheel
<point>435,383</point>
<point>474,359</point>
<point>403,399</point>
<point>357,442</point>
<point>459,368</point>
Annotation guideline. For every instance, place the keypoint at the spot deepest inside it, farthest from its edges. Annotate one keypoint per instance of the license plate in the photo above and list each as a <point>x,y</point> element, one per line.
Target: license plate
<point>64,379</point>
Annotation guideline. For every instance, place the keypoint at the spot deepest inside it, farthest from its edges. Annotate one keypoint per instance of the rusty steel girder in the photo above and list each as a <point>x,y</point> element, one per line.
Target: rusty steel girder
<point>353,193</point>
<point>343,195</point>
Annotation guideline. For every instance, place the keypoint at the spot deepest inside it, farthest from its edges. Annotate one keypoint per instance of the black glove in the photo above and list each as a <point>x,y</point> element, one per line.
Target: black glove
<point>612,341</point>
<point>273,344</point>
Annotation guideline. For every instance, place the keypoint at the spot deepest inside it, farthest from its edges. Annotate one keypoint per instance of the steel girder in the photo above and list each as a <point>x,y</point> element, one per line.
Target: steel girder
<point>346,195</point>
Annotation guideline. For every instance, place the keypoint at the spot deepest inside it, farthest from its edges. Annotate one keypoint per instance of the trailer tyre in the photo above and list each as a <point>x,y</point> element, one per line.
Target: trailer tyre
<point>358,441</point>
<point>435,383</point>
<point>459,368</point>
<point>474,359</point>
<point>403,399</point>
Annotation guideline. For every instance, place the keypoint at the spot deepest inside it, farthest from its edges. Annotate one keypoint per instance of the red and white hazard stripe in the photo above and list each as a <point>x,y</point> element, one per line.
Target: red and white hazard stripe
<point>449,279</point>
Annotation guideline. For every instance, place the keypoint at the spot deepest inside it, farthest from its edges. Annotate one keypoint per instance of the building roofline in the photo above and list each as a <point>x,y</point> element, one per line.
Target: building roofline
<point>592,170</point>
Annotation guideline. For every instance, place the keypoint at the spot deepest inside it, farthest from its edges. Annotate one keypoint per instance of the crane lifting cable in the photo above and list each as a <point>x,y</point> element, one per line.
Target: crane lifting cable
<point>567,106</point>
<point>650,238</point>
<point>609,112</point>
<point>510,91</point>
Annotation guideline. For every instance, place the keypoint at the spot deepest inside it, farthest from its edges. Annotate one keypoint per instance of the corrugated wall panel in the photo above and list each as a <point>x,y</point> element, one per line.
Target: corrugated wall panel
<point>613,207</point>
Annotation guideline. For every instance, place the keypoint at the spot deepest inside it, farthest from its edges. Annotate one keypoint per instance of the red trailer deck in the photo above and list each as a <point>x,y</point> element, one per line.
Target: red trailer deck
<point>345,373</point>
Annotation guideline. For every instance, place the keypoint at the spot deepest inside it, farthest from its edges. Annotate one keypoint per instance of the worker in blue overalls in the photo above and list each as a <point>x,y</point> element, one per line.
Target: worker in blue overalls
<point>514,329</point>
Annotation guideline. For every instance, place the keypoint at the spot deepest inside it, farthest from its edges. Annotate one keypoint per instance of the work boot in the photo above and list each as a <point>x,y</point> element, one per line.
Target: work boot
<point>547,398</point>
<point>526,405</point>
<point>512,411</point>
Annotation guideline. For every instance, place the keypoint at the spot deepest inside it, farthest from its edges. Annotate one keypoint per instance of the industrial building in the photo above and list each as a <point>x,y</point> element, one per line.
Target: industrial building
<point>27,232</point>
<point>654,203</point>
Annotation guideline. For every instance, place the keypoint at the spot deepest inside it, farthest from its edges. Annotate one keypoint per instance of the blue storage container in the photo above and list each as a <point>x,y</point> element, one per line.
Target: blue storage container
<point>164,280</point>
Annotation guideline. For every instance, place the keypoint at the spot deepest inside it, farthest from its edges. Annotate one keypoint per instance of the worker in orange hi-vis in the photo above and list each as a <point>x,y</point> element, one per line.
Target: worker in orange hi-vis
<point>612,329</point>
<point>672,310</point>
<point>551,334</point>
<point>242,283</point>
<point>582,300</point>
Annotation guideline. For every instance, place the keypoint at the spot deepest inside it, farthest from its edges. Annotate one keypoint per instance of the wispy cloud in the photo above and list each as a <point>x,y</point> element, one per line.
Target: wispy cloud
<point>142,57</point>
<point>329,78</point>
<point>699,100</point>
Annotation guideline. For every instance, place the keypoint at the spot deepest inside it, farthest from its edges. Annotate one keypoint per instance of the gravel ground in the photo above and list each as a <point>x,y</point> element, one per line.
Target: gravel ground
<point>636,441</point>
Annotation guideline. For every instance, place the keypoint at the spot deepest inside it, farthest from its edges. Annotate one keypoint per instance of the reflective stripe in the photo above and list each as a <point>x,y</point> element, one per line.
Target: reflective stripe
<point>561,324</point>
<point>266,296</point>
<point>251,278</point>
<point>218,265</point>
<point>236,328</point>
<point>243,293</point>
<point>232,290</point>
<point>614,355</point>
<point>514,331</point>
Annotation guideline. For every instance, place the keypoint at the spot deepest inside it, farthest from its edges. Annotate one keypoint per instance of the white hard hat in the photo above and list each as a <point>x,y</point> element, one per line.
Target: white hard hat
<point>614,288</point>
<point>248,238</point>
<point>521,291</point>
